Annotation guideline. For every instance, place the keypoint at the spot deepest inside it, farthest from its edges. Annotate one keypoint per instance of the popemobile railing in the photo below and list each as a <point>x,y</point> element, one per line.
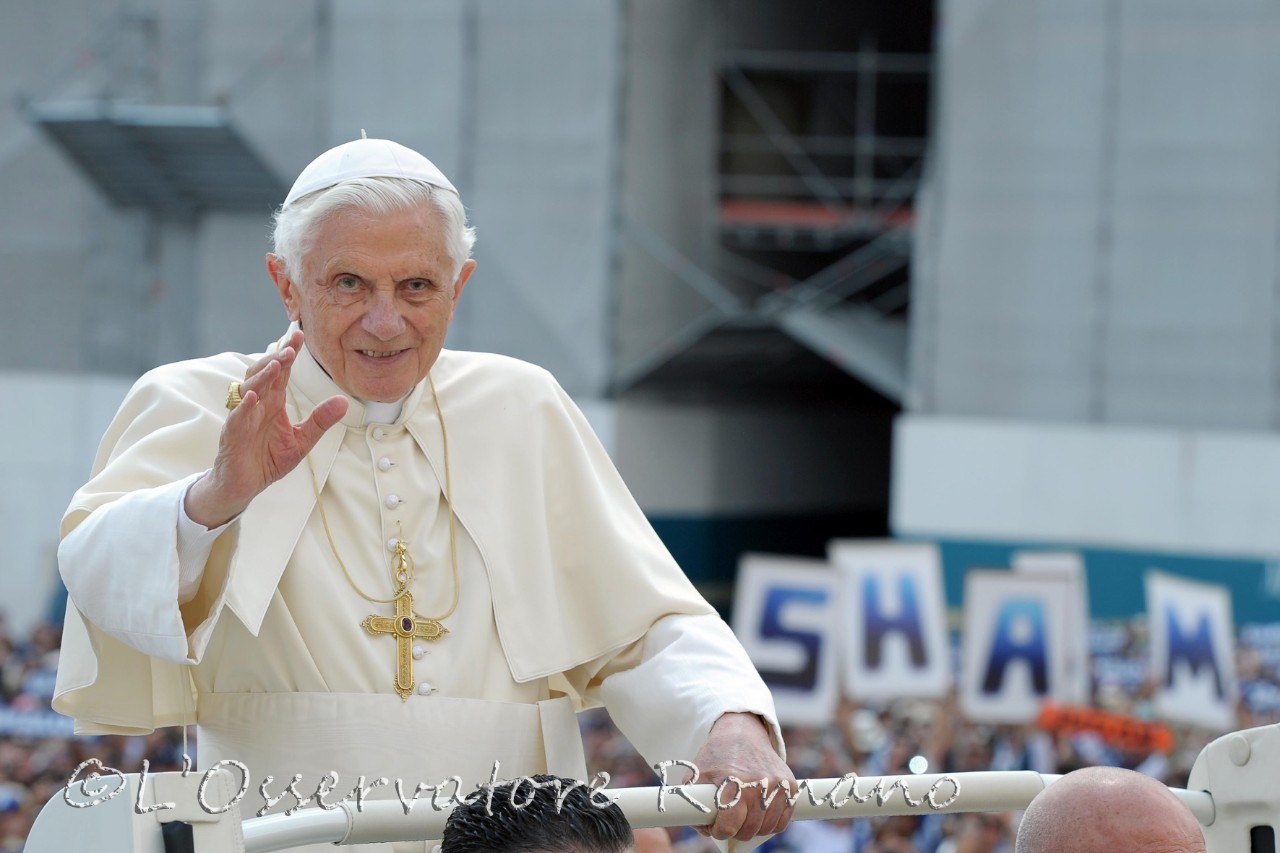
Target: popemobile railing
<point>1233,790</point>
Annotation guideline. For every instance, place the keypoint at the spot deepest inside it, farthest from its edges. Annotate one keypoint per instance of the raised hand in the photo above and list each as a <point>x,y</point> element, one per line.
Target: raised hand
<point>260,443</point>
<point>739,745</point>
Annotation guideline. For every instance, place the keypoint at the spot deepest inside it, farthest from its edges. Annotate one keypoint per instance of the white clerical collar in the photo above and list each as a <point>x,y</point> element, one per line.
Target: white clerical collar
<point>382,413</point>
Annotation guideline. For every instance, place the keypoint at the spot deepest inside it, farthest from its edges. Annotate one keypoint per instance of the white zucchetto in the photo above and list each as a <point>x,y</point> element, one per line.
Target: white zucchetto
<point>366,158</point>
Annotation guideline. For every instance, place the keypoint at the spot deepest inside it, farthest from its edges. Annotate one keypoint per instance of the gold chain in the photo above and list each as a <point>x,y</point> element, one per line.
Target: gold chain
<point>403,571</point>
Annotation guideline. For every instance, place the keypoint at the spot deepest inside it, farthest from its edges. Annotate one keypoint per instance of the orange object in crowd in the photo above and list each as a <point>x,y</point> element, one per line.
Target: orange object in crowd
<point>1132,734</point>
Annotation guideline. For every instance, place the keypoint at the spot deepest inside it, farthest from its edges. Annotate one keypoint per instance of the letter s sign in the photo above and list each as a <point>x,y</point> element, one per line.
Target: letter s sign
<point>778,626</point>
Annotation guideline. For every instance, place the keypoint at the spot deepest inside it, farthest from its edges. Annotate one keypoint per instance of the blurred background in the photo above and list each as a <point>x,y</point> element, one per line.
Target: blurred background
<point>987,274</point>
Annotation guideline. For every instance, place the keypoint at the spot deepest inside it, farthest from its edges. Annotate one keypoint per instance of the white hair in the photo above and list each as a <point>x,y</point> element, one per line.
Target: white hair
<point>294,225</point>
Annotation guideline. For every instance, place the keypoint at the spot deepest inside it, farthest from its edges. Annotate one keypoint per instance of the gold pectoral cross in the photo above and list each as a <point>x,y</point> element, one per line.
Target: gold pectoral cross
<point>406,627</point>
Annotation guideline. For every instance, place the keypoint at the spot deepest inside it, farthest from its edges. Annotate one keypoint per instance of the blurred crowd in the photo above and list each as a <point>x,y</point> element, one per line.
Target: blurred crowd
<point>38,751</point>
<point>926,736</point>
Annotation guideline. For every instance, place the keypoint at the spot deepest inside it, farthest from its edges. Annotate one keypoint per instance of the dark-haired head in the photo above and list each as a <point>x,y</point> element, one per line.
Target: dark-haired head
<point>537,814</point>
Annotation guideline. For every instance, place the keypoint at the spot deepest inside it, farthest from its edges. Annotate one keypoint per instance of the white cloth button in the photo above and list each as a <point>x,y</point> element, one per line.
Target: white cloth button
<point>393,501</point>
<point>379,433</point>
<point>392,543</point>
<point>425,689</point>
<point>384,464</point>
<point>419,652</point>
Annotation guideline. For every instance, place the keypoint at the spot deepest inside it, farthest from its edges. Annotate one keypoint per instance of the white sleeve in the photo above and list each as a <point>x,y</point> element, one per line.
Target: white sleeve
<point>195,541</point>
<point>692,671</point>
<point>121,569</point>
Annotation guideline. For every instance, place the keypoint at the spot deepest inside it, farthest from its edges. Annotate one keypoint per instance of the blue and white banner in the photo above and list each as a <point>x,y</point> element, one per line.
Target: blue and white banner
<point>784,613</point>
<point>1014,645</point>
<point>893,629</point>
<point>1192,651</point>
<point>1069,566</point>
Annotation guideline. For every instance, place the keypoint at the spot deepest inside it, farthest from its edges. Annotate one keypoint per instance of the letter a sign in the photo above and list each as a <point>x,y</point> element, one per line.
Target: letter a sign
<point>1192,651</point>
<point>893,622</point>
<point>1015,645</point>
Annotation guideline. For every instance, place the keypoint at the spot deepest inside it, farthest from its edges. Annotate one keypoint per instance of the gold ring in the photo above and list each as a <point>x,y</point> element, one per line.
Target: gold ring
<point>233,395</point>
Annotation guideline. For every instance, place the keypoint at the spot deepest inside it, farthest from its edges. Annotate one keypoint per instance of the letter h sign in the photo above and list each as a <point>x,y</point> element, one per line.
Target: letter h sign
<point>893,620</point>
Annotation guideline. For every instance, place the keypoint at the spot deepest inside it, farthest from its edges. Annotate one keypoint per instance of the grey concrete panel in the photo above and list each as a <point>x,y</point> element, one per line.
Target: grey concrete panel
<point>50,49</point>
<point>43,460</point>
<point>45,201</point>
<point>657,313</point>
<point>114,307</point>
<point>670,129</point>
<point>41,292</point>
<point>71,281</point>
<point>263,62</point>
<point>395,68</point>
<point>1191,300</point>
<point>1016,195</point>
<point>1106,202</point>
<point>239,307</point>
<point>180,52</point>
<point>542,198</point>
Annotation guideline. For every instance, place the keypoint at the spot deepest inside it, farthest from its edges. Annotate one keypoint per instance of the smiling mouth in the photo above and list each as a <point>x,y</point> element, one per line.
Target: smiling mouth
<point>373,353</point>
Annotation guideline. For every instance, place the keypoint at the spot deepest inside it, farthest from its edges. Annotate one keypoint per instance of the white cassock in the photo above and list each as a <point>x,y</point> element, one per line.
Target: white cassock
<point>567,598</point>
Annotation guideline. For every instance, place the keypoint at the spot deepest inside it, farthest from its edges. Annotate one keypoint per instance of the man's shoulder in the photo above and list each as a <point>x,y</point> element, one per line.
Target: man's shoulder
<point>506,395</point>
<point>490,370</point>
<point>454,360</point>
<point>180,406</point>
<point>229,364</point>
<point>203,379</point>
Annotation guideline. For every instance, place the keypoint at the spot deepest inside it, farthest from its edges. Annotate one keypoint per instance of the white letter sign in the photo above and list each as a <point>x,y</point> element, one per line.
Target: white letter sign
<point>1192,651</point>
<point>892,626</point>
<point>783,612</point>
<point>1015,649</point>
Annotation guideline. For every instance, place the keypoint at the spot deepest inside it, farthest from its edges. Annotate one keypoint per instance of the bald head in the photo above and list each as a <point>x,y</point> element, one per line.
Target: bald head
<point>1108,810</point>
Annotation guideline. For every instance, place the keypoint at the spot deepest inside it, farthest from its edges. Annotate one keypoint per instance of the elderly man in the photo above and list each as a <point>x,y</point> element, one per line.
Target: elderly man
<point>365,554</point>
<point>1105,810</point>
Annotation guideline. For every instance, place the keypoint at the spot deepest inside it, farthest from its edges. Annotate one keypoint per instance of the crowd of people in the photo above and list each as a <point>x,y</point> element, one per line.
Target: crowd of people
<point>876,741</point>
<point>38,752</point>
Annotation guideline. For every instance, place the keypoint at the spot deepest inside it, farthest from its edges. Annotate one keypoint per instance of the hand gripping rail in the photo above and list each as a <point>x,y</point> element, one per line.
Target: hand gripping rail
<point>1233,794</point>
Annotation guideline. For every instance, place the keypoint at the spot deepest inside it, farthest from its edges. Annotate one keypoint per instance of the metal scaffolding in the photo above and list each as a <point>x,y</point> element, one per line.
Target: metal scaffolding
<point>817,180</point>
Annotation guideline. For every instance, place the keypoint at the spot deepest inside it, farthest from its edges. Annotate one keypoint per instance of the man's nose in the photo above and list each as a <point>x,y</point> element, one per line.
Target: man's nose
<point>383,319</point>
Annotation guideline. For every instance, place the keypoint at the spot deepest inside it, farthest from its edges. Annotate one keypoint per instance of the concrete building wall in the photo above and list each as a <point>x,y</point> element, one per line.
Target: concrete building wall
<point>545,192</point>
<point>670,125</point>
<point>1097,290</point>
<point>55,269</point>
<point>1104,209</point>
<point>43,460</point>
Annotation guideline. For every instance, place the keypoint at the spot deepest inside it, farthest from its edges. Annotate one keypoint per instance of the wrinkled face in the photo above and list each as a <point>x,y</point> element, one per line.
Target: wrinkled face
<point>375,295</point>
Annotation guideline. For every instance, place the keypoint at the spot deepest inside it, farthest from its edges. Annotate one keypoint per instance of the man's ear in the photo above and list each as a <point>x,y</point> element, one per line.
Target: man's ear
<point>289,294</point>
<point>467,269</point>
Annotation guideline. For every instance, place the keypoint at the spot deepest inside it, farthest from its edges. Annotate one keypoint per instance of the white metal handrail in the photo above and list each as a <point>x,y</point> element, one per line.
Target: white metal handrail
<point>820,799</point>
<point>1232,793</point>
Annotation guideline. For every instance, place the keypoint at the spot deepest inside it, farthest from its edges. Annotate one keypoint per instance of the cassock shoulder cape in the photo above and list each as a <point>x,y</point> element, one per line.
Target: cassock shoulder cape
<point>575,569</point>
